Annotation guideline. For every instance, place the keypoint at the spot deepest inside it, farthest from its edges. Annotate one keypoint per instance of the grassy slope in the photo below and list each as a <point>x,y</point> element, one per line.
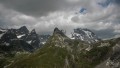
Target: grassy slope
<point>55,58</point>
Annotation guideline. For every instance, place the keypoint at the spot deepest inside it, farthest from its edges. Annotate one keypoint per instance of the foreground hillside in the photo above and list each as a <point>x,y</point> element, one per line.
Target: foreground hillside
<point>63,52</point>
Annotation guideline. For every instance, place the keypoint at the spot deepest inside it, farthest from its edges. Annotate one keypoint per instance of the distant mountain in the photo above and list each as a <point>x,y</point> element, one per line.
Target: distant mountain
<point>84,35</point>
<point>20,31</point>
<point>19,39</point>
<point>23,30</point>
<point>31,38</point>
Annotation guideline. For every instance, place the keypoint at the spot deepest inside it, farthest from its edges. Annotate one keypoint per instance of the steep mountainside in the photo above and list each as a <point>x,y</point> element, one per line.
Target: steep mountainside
<point>18,36</point>
<point>32,39</point>
<point>63,52</point>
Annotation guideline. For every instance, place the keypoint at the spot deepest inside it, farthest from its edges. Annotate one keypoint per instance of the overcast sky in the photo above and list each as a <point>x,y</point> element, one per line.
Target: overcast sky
<point>101,16</point>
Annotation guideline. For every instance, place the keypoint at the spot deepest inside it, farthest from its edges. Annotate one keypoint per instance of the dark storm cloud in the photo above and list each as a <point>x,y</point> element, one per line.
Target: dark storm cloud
<point>42,7</point>
<point>37,7</point>
<point>33,7</point>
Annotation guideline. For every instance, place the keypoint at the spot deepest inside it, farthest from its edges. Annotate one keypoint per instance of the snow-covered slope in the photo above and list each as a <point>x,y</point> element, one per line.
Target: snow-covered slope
<point>32,39</point>
<point>84,35</point>
<point>2,30</point>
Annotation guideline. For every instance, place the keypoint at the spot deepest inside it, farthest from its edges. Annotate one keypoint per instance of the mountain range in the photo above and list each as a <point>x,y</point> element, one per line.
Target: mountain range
<point>20,48</point>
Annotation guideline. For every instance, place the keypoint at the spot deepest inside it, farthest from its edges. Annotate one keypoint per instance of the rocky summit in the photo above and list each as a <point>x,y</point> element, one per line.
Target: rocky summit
<point>84,35</point>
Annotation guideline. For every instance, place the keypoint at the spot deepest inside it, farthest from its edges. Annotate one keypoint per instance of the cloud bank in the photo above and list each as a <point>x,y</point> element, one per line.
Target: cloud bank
<point>101,16</point>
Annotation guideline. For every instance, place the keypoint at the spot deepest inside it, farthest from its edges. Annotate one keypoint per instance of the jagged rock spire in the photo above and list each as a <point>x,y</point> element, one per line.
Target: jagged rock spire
<point>24,29</point>
<point>33,31</point>
<point>57,31</point>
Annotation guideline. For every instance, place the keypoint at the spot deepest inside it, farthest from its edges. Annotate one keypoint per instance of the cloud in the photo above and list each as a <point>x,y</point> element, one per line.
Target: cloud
<point>45,15</point>
<point>106,33</point>
<point>117,28</point>
<point>38,7</point>
<point>116,2</point>
<point>31,7</point>
<point>44,7</point>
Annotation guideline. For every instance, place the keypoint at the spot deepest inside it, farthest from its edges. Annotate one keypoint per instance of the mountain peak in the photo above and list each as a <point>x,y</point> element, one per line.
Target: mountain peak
<point>84,34</point>
<point>24,28</point>
<point>33,31</point>
<point>57,31</point>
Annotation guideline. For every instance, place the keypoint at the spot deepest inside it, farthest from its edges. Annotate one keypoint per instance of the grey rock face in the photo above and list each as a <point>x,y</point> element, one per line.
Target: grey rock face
<point>84,35</point>
<point>18,40</point>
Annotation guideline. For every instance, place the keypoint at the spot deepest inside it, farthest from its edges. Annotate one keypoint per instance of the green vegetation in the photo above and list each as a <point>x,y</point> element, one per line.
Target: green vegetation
<point>47,58</point>
<point>55,57</point>
<point>7,59</point>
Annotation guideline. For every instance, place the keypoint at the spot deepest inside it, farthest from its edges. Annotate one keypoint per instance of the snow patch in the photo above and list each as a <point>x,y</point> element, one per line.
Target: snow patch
<point>79,36</point>
<point>72,38</point>
<point>43,42</point>
<point>19,36</point>
<point>1,35</point>
<point>29,42</point>
<point>7,44</point>
<point>89,34</point>
<point>3,30</point>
